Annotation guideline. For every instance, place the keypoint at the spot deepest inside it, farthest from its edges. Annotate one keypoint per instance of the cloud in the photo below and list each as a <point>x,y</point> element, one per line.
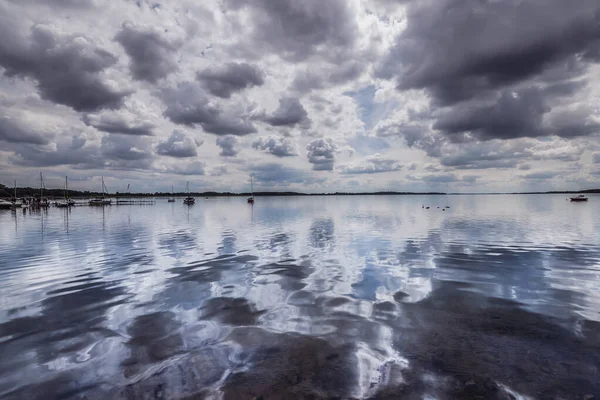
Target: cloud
<point>16,132</point>
<point>230,78</point>
<point>274,174</point>
<point>229,145</point>
<point>127,152</point>
<point>192,168</point>
<point>68,69</point>
<point>151,55</point>
<point>179,144</point>
<point>432,167</point>
<point>498,69</point>
<point>296,30</point>
<point>470,178</point>
<point>374,164</point>
<point>321,154</point>
<point>435,178</point>
<point>512,115</point>
<point>307,80</point>
<point>275,145</point>
<point>119,122</point>
<point>289,113</point>
<point>524,167</point>
<point>188,104</point>
<point>596,158</point>
<point>542,175</point>
<point>458,49</point>
<point>68,151</point>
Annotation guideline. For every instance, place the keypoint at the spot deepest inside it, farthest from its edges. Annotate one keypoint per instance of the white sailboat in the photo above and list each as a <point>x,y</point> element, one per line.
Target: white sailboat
<point>101,201</point>
<point>67,202</point>
<point>189,200</point>
<point>41,202</point>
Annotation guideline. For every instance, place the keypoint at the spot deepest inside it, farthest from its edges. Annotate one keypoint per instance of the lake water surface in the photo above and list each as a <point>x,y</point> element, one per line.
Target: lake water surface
<point>497,297</point>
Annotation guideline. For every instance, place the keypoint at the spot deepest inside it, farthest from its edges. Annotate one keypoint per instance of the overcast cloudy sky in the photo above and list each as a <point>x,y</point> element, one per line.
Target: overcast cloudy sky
<point>310,95</point>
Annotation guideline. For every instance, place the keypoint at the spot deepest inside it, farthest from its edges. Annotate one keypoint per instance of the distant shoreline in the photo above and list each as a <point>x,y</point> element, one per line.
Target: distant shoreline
<point>6,192</point>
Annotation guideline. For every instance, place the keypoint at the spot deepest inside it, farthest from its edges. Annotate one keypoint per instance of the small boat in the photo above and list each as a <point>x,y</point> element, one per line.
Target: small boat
<point>14,200</point>
<point>579,198</point>
<point>6,205</point>
<point>251,198</point>
<point>101,201</point>
<point>66,202</point>
<point>171,199</point>
<point>189,200</point>
<point>41,202</point>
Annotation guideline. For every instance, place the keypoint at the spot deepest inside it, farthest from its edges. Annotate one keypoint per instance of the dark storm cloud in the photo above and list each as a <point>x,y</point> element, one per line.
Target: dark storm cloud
<point>321,154</point>
<point>117,123</point>
<point>277,146</point>
<point>460,48</point>
<point>374,164</point>
<point>188,104</point>
<point>499,69</point>
<point>512,115</point>
<point>126,152</point>
<point>115,152</point>
<point>230,78</point>
<point>289,113</point>
<point>15,132</point>
<point>151,55</point>
<point>179,144</point>
<point>68,69</point>
<point>73,152</point>
<point>296,30</point>
<point>229,145</point>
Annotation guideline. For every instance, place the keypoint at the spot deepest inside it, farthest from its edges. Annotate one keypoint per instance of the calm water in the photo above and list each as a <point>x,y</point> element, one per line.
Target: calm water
<point>319,297</point>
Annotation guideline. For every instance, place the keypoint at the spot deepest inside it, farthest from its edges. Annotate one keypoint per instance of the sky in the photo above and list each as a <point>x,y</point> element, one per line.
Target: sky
<point>308,96</point>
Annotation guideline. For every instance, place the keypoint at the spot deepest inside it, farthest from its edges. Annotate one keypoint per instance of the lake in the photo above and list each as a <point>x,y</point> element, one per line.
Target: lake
<point>497,296</point>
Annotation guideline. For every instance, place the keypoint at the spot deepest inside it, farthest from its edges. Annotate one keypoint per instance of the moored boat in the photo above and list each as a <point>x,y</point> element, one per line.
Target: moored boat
<point>579,198</point>
<point>101,201</point>
<point>251,198</point>
<point>189,200</point>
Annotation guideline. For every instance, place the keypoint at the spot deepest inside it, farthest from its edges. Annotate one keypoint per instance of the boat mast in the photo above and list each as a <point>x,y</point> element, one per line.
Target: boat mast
<point>102,187</point>
<point>15,190</point>
<point>251,187</point>
<point>41,186</point>
<point>66,189</point>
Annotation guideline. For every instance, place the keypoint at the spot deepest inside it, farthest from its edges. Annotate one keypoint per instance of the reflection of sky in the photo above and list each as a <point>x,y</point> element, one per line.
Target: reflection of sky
<point>313,265</point>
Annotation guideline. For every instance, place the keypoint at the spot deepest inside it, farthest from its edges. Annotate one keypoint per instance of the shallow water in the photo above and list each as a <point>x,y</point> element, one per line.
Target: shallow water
<point>303,297</point>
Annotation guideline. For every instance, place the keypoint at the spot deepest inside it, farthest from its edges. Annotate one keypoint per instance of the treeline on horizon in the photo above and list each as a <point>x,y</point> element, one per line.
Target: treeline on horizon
<point>7,192</point>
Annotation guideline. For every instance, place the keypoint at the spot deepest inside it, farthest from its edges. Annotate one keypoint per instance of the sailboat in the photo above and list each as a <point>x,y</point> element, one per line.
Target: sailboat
<point>251,198</point>
<point>101,201</point>
<point>41,202</point>
<point>14,202</point>
<point>189,200</point>
<point>171,199</point>
<point>66,202</point>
